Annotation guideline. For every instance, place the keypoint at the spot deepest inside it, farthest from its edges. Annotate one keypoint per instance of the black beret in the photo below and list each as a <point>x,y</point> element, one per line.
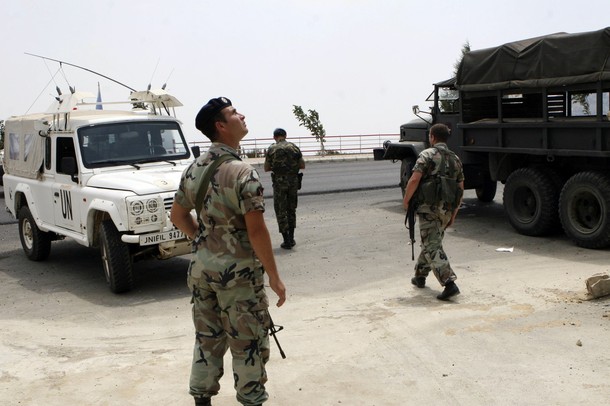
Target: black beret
<point>279,132</point>
<point>209,110</point>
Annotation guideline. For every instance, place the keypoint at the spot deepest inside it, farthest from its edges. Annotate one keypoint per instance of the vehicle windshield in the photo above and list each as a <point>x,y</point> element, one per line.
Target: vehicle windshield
<point>132,142</point>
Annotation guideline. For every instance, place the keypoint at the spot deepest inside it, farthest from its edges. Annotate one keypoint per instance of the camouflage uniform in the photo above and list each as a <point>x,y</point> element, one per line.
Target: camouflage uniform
<point>284,159</point>
<point>226,279</point>
<point>434,218</point>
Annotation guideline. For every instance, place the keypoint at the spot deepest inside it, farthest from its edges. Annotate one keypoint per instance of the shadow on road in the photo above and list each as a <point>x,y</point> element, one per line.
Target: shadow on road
<point>78,270</point>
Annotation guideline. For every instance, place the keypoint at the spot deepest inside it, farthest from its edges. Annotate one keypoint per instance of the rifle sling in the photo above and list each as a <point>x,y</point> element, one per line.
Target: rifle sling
<point>205,180</point>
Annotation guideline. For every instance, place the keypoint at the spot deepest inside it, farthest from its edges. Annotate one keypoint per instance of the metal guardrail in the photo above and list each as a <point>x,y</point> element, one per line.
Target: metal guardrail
<point>333,145</point>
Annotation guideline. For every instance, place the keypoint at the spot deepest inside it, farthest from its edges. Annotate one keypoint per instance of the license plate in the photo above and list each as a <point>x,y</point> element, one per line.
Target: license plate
<point>150,239</point>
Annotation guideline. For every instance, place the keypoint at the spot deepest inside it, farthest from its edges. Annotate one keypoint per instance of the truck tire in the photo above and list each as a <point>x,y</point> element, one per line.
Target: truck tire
<point>531,200</point>
<point>405,173</point>
<point>36,243</point>
<point>116,259</point>
<point>584,209</point>
<point>487,192</point>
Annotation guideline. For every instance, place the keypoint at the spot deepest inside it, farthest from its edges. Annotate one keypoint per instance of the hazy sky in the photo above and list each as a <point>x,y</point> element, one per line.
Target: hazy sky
<point>361,64</point>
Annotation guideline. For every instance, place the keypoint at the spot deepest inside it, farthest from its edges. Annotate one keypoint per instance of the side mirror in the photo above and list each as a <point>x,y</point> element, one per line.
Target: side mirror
<point>196,151</point>
<point>415,109</point>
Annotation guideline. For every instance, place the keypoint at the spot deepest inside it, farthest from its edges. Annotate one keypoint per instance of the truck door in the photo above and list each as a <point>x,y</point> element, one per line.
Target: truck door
<point>66,192</point>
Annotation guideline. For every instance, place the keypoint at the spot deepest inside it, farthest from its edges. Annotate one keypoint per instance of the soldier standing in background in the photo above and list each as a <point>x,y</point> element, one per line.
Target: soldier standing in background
<point>284,159</point>
<point>435,212</point>
<point>231,253</point>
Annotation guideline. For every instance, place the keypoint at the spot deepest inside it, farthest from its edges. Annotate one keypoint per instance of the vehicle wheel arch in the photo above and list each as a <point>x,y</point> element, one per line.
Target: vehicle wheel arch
<point>95,218</point>
<point>20,201</point>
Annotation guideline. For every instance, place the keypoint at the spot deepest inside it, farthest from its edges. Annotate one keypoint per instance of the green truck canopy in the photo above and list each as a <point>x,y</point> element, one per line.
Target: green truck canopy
<point>552,60</point>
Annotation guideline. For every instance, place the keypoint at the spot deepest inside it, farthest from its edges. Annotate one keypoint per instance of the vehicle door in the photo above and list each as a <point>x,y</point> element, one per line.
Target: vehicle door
<point>66,189</point>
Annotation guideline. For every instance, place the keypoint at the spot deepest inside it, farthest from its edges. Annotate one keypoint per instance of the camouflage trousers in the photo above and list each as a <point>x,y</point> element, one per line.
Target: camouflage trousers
<point>432,256</point>
<point>230,315</point>
<point>285,200</point>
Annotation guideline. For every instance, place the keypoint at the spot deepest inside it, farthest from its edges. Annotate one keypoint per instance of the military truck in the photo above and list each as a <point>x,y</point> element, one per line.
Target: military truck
<point>104,178</point>
<point>532,114</point>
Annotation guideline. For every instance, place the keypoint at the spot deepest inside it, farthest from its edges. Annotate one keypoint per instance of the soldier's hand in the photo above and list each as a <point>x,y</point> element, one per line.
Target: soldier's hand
<point>280,290</point>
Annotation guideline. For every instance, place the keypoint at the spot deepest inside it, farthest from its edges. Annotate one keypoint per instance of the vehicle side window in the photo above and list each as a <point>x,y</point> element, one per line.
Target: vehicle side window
<point>47,153</point>
<point>65,149</point>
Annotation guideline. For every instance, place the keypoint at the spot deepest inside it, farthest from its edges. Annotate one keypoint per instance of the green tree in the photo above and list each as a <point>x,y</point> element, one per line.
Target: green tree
<point>581,98</point>
<point>447,102</point>
<point>465,50</point>
<point>311,121</point>
<point>1,134</point>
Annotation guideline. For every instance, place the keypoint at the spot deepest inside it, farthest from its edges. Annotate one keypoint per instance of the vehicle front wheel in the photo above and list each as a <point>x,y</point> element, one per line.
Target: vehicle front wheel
<point>36,243</point>
<point>406,166</point>
<point>584,209</point>
<point>487,192</point>
<point>116,259</point>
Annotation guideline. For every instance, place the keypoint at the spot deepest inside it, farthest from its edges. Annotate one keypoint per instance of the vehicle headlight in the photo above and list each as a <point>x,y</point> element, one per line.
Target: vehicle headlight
<point>144,211</point>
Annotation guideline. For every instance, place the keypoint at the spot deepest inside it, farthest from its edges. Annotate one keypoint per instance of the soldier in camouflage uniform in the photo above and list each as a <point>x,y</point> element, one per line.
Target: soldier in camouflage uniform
<point>284,159</point>
<point>435,217</point>
<point>231,252</point>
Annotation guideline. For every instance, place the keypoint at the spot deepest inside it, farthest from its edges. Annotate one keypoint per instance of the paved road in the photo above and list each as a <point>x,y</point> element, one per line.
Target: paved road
<point>321,175</point>
<point>333,175</point>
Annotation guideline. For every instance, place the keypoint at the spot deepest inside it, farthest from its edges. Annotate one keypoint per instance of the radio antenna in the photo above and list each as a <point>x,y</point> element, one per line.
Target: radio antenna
<point>81,67</point>
<point>153,74</point>
<point>167,80</point>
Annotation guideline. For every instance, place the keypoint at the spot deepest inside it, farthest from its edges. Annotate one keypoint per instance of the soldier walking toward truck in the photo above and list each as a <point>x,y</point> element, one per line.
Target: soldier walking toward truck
<point>284,159</point>
<point>436,186</point>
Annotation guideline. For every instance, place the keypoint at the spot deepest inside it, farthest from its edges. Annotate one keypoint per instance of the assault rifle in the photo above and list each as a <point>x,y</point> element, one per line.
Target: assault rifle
<point>273,330</point>
<point>410,224</point>
<point>410,217</point>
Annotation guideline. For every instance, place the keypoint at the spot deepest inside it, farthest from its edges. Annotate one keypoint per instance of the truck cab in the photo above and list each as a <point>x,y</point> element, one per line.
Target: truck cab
<point>445,100</point>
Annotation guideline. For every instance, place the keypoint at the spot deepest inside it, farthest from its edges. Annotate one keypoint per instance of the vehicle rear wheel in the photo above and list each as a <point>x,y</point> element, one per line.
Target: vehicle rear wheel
<point>36,243</point>
<point>584,209</point>
<point>531,200</point>
<point>405,173</point>
<point>116,259</point>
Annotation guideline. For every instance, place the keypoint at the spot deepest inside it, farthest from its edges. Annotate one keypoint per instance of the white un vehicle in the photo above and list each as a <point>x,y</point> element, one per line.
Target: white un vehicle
<point>102,178</point>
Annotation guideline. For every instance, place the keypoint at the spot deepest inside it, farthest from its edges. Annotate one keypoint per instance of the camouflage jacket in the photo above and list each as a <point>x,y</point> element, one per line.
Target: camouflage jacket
<point>429,163</point>
<point>283,158</point>
<point>234,190</point>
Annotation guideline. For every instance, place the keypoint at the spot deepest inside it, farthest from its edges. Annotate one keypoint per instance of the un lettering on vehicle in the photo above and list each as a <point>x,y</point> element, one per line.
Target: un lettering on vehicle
<point>66,209</point>
<point>66,204</point>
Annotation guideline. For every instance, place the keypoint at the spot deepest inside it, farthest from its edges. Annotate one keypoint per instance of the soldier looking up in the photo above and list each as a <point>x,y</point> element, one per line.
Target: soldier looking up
<point>232,251</point>
<point>436,209</point>
<point>284,159</point>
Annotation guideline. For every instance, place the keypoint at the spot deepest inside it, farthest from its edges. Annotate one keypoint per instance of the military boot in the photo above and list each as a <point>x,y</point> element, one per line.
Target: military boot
<point>451,289</point>
<point>291,235</point>
<point>287,245</point>
<point>203,402</point>
<point>419,281</point>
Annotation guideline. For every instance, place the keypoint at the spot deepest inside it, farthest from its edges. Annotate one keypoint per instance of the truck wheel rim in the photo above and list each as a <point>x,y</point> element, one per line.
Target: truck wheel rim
<point>525,204</point>
<point>105,262</point>
<point>28,238</point>
<point>585,212</point>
